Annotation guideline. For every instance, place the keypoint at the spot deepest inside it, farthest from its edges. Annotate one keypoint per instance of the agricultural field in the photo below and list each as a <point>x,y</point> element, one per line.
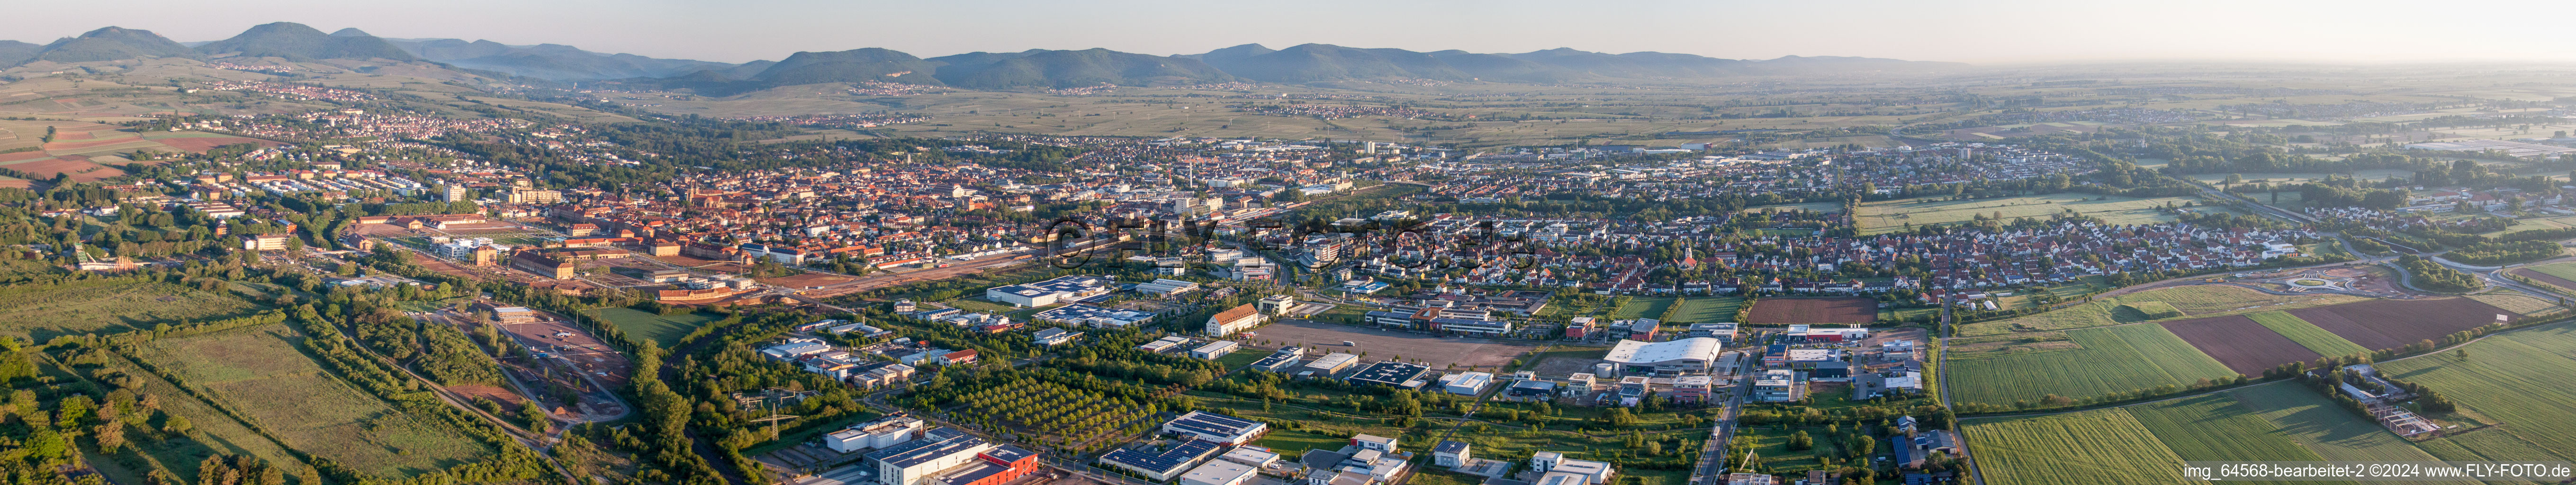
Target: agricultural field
<point>2525,379</point>
<point>262,374</point>
<point>2097,447</point>
<point>2245,346</point>
<point>41,312</point>
<point>662,330</point>
<point>2191,300</point>
<point>2315,339</point>
<point>2327,429</point>
<point>2518,302</point>
<point>2388,324</point>
<point>2561,275</point>
<point>1894,215</point>
<point>1849,310</point>
<point>2267,422</point>
<point>2085,362</point>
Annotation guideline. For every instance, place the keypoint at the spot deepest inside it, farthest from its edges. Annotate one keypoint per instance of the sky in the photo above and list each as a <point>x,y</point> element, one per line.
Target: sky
<point>1985,32</point>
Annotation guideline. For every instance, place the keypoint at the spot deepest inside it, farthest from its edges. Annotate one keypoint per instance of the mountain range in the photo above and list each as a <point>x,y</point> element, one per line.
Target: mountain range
<point>1306,63</point>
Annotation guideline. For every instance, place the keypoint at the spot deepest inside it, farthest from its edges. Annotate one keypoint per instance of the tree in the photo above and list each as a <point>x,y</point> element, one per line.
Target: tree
<point>536,416</point>
<point>177,425</point>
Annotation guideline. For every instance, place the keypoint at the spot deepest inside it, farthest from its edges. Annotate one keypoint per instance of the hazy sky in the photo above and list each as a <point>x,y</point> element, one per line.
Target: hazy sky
<point>2000,31</point>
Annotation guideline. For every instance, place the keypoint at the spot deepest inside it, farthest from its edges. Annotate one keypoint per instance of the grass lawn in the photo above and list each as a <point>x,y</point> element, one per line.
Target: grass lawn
<point>263,374</point>
<point>2091,361</point>
<point>2307,334</point>
<point>662,330</point>
<point>1290,442</point>
<point>980,306</point>
<point>1895,215</point>
<point>2102,446</point>
<point>39,312</point>
<point>1708,309</point>
<point>1648,307</point>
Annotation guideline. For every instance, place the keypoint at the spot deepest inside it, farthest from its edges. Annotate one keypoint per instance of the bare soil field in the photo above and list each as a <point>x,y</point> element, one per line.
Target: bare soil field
<point>2386,324</point>
<point>1437,351</point>
<point>2236,340</point>
<point>201,144</point>
<point>2546,278</point>
<point>1814,310</point>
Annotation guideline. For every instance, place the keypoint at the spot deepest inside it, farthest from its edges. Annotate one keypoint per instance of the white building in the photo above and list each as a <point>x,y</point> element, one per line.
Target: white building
<point>1216,428</point>
<point>913,462</point>
<point>1218,472</point>
<point>1214,350</point>
<point>1050,292</point>
<point>1685,356</point>
<point>881,433</point>
<point>1466,383</point>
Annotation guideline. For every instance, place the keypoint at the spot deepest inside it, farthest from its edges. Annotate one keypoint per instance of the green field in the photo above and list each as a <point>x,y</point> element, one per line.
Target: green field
<point>2307,334</point>
<point>2150,309</point>
<point>2102,446</point>
<point>2268,422</point>
<point>662,330</point>
<point>263,374</point>
<point>2092,361</point>
<point>1708,309</point>
<point>41,312</point>
<point>216,432</point>
<point>2216,427</point>
<point>2517,302</point>
<point>2325,428</point>
<point>2194,300</point>
<point>2562,270</point>
<point>2526,379</point>
<point>1646,307</point>
<point>1894,215</point>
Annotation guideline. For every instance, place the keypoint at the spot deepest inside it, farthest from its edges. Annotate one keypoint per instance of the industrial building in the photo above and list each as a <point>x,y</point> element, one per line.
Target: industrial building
<point>883,432</point>
<point>1398,374</point>
<point>1216,428</point>
<point>1049,292</point>
<point>1685,356</point>
<point>1213,350</point>
<point>1329,365</point>
<point>1163,464</point>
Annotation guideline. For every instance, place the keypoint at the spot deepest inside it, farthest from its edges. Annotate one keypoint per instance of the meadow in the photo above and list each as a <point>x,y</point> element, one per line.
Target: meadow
<point>41,312</point>
<point>1644,307</point>
<point>2142,443</point>
<point>664,330</point>
<point>262,374</point>
<point>2088,362</point>
<point>216,434</point>
<point>1894,215</point>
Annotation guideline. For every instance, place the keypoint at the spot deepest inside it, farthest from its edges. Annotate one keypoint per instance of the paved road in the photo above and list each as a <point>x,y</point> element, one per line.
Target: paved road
<point>1712,462</point>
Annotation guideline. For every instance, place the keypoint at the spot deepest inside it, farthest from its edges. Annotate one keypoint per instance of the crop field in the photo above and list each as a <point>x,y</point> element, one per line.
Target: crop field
<point>2317,340</point>
<point>2245,346</point>
<point>2561,275</point>
<point>42,312</point>
<point>1814,310</point>
<point>262,374</point>
<point>1894,215</point>
<point>662,330</point>
<point>2098,361</point>
<point>2388,324</point>
<point>2489,444</point>
<point>2518,302</point>
<point>2526,379</point>
<point>2103,446</point>
<point>2216,427</point>
<point>2322,426</point>
<point>2193,300</point>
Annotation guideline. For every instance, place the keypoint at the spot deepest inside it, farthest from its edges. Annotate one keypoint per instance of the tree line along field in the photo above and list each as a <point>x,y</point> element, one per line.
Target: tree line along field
<point>1895,215</point>
<point>1695,309</point>
<point>263,375</point>
<point>2191,300</point>
<point>2147,443</point>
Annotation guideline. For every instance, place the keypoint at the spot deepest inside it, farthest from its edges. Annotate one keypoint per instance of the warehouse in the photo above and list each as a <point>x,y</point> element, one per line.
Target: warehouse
<point>1396,374</point>
<point>1329,365</point>
<point>1218,472</point>
<point>1686,356</point>
<point>1163,464</point>
<point>1216,428</point>
<point>1050,292</point>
